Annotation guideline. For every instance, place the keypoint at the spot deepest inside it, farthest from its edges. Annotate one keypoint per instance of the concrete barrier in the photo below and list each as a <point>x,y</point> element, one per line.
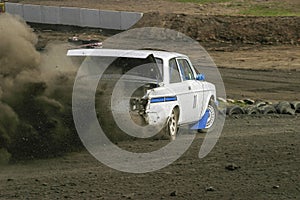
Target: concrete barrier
<point>51,15</point>
<point>90,18</point>
<point>14,8</point>
<point>128,19</point>
<point>82,17</point>
<point>70,16</point>
<point>110,19</point>
<point>32,13</point>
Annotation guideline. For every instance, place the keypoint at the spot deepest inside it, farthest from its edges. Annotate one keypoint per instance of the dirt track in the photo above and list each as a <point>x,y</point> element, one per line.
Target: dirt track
<point>265,149</point>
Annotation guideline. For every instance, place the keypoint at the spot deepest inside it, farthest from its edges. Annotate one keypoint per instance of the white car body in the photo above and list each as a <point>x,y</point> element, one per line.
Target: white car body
<point>187,93</point>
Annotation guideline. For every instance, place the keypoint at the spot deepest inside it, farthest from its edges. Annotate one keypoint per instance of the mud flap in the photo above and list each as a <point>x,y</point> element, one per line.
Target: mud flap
<point>201,123</point>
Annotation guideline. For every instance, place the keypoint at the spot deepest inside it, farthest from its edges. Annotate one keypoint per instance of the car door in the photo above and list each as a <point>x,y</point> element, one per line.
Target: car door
<point>183,88</point>
<point>195,89</point>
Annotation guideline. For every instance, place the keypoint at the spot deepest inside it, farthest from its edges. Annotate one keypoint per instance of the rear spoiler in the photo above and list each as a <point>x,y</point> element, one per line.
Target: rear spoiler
<point>109,53</point>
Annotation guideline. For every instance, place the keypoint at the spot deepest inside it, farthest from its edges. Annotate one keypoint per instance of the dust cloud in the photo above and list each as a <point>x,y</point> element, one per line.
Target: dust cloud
<point>35,95</point>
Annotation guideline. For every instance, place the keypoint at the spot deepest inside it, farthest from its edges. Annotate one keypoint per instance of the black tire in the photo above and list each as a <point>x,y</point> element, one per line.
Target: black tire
<point>251,110</point>
<point>249,101</point>
<point>284,107</point>
<point>212,118</point>
<point>172,125</point>
<point>234,110</point>
<point>268,109</point>
<point>296,106</point>
<point>260,103</point>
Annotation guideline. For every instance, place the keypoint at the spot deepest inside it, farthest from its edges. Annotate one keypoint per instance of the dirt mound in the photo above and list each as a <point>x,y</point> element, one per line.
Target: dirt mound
<point>229,29</point>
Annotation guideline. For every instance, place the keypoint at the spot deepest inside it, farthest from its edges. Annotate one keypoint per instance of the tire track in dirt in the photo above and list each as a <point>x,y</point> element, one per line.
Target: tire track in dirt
<point>274,85</point>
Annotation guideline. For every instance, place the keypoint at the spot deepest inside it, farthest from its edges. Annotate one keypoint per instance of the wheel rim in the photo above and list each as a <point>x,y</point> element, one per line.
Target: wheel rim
<point>211,116</point>
<point>173,125</point>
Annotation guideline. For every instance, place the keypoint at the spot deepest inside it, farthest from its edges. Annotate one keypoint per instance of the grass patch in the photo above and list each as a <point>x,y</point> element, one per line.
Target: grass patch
<point>269,10</point>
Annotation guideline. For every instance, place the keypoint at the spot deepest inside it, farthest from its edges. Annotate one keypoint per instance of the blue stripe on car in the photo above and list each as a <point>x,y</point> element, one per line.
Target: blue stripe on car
<point>163,99</point>
<point>201,124</point>
<point>171,98</point>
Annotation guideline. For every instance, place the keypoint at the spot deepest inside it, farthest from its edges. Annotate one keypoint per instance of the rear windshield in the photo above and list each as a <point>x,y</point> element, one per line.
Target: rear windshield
<point>148,68</point>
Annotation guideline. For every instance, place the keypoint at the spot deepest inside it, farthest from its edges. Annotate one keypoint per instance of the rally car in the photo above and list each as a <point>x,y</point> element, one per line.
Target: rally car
<point>173,92</point>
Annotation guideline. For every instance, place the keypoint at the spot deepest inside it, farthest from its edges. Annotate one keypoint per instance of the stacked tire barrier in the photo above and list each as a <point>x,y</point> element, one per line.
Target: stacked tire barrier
<point>116,20</point>
<point>264,108</point>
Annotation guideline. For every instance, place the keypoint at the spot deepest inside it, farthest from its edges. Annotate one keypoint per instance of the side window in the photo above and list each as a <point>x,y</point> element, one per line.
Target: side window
<point>174,72</point>
<point>185,68</point>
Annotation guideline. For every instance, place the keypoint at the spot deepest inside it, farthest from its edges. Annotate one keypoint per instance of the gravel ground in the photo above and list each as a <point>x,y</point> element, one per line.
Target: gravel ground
<point>256,157</point>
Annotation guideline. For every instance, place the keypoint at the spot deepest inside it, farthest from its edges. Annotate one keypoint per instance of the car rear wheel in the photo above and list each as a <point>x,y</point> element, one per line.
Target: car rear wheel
<point>172,125</point>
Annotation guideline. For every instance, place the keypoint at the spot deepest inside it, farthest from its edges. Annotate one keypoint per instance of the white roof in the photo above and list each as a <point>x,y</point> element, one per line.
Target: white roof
<point>123,53</point>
